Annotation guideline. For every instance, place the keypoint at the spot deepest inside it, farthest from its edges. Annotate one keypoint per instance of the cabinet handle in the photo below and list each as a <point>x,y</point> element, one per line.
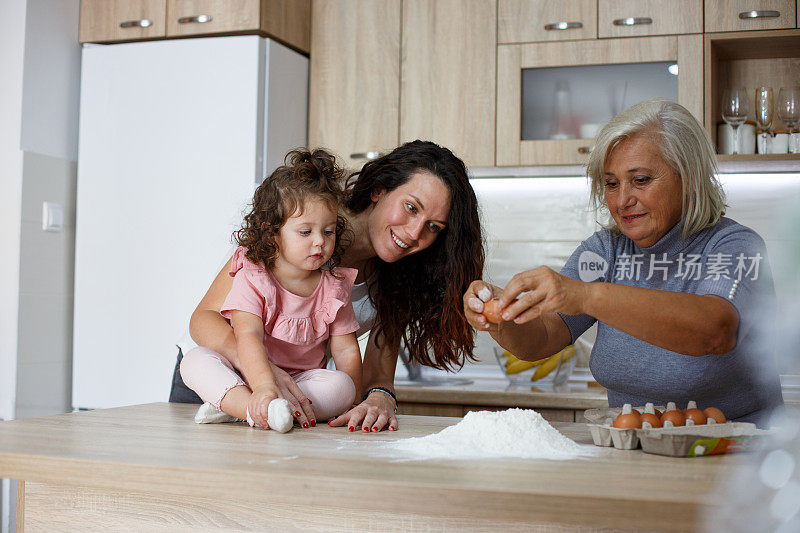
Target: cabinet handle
<point>558,26</point>
<point>585,149</point>
<point>367,155</point>
<point>633,21</point>
<point>768,14</point>
<point>200,19</point>
<point>144,23</point>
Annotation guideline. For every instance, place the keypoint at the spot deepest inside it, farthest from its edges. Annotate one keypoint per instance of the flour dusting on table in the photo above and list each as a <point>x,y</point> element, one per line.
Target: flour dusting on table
<point>486,435</point>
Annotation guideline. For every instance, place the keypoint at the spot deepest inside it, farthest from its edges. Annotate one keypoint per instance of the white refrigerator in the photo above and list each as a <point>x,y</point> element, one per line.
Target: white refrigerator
<point>174,135</point>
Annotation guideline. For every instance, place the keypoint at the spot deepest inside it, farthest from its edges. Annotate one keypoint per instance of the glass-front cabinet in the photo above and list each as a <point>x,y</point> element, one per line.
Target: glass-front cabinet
<point>552,97</point>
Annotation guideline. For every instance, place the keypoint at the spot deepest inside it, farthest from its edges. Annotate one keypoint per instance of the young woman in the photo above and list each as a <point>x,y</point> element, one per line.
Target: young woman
<point>417,245</point>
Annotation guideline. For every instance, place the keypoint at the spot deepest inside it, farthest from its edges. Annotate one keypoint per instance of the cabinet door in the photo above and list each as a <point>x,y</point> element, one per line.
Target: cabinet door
<point>448,76</point>
<point>355,77</point>
<point>122,20</point>
<point>636,18</point>
<point>527,21</point>
<point>197,17</point>
<point>685,50</point>
<point>743,15</point>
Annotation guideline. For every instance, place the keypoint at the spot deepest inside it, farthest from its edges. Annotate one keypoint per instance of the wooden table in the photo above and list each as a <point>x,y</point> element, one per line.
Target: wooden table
<point>151,468</point>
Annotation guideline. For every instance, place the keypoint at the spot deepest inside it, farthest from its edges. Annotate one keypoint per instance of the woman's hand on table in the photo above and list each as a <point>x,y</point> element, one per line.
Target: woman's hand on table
<point>374,414</point>
<point>477,294</point>
<point>299,404</point>
<point>532,293</point>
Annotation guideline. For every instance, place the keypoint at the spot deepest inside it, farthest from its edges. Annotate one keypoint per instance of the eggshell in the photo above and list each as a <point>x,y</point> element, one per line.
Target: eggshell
<point>652,419</point>
<point>674,416</point>
<point>632,420</point>
<point>712,413</point>
<point>492,310</point>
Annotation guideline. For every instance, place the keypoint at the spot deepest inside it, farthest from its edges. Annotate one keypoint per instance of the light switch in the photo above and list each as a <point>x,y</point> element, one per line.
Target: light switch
<point>52,216</point>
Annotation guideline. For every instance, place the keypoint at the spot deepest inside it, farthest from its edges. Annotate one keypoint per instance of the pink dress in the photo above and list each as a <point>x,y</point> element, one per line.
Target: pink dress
<point>296,328</point>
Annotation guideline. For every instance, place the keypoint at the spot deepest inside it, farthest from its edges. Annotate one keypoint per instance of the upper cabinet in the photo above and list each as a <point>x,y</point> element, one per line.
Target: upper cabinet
<point>447,90</point>
<point>122,20</point>
<point>552,98</point>
<point>354,92</point>
<point>369,92</point>
<point>105,21</point>
<point>529,21</point>
<point>745,15</point>
<point>200,17</point>
<point>637,18</point>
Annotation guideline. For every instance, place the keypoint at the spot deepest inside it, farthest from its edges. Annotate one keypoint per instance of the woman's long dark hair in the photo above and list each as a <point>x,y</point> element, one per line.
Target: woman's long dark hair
<point>419,297</point>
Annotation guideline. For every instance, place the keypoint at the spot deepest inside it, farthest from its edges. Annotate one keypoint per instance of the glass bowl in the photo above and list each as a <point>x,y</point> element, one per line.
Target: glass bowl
<point>553,370</point>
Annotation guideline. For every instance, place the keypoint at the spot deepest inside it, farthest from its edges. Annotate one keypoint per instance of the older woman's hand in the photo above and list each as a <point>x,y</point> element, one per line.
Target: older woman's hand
<point>477,293</point>
<point>534,292</point>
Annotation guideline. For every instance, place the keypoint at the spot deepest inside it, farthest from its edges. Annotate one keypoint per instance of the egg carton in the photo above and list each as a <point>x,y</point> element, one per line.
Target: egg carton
<point>681,441</point>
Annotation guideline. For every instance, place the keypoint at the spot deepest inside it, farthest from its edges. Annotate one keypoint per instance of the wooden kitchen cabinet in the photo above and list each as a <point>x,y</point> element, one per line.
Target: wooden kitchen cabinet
<point>199,17</point>
<point>354,93</point>
<point>513,150</point>
<point>529,21</point>
<point>106,21</point>
<point>749,59</point>
<point>122,20</point>
<point>746,15</point>
<point>448,76</point>
<point>365,99</point>
<point>637,18</point>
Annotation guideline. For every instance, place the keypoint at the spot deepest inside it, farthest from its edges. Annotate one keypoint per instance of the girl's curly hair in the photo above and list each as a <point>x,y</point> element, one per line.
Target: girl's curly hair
<point>304,175</point>
<point>419,297</point>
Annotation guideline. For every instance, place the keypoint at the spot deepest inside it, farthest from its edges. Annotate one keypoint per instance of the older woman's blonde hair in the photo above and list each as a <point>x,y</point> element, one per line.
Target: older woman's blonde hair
<point>684,145</point>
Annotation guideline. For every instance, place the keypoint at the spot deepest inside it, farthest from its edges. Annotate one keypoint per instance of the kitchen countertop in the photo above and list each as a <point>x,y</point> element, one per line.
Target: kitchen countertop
<point>151,466</point>
<point>498,392</point>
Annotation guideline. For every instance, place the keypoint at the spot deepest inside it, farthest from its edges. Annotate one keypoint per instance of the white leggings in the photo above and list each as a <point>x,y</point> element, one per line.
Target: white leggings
<point>211,376</point>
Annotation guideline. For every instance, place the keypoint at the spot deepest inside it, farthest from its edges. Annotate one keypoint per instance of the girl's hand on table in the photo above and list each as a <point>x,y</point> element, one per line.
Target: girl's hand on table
<point>477,294</point>
<point>258,404</point>
<point>299,404</point>
<point>373,414</point>
<point>535,292</point>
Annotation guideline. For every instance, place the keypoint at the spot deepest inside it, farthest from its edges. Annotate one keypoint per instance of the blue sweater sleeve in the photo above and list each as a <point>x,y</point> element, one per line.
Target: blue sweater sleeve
<point>737,269</point>
<point>591,261</point>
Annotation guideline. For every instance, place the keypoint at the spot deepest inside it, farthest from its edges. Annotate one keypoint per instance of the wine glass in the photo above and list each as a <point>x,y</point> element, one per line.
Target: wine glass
<point>789,110</point>
<point>765,107</point>
<point>734,111</point>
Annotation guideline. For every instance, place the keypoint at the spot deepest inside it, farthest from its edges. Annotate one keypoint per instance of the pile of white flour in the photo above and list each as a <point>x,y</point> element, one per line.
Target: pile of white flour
<point>486,435</point>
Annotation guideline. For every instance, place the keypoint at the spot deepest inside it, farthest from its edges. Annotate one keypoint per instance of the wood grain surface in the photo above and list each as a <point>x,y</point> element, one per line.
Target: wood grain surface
<point>168,472</point>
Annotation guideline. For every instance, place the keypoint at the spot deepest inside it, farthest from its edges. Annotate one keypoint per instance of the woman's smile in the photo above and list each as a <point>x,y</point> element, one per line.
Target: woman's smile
<point>398,241</point>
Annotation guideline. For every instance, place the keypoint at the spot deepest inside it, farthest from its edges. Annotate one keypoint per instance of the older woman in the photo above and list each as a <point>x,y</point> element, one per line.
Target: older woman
<point>683,297</point>
<point>416,242</point>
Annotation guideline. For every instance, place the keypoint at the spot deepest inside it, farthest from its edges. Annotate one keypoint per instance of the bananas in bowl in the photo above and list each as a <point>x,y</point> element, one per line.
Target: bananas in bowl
<point>553,370</point>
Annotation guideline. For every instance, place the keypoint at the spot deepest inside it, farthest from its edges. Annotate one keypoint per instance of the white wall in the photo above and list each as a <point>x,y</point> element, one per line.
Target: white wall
<point>51,79</point>
<point>12,46</point>
<point>50,101</point>
<point>39,82</point>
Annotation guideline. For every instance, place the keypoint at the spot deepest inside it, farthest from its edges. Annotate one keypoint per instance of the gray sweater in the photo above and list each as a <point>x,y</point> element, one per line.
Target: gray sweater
<point>728,260</point>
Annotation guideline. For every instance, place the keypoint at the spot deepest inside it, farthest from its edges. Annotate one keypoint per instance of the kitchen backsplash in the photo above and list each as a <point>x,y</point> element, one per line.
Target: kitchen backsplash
<point>532,221</point>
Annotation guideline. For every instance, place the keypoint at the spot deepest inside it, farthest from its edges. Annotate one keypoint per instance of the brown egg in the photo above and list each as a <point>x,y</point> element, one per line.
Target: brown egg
<point>628,418</point>
<point>652,419</point>
<point>673,415</point>
<point>714,414</point>
<point>694,414</point>
<point>492,310</point>
<point>649,416</point>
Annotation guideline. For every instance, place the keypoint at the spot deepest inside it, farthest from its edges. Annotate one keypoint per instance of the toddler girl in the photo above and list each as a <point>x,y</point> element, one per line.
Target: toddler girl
<point>288,303</point>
